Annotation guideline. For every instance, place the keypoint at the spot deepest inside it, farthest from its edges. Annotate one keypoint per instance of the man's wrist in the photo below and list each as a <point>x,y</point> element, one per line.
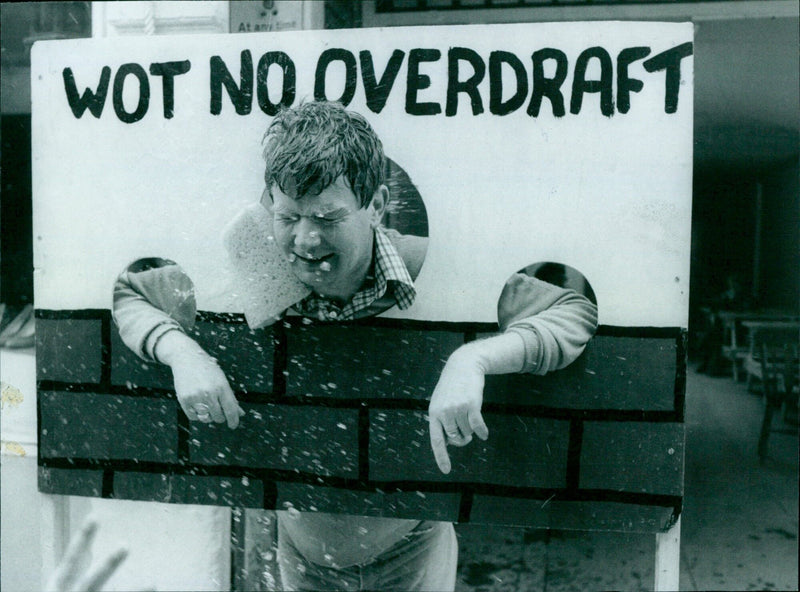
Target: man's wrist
<point>175,346</point>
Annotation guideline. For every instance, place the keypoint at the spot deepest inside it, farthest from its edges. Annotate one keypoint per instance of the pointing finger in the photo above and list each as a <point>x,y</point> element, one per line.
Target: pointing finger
<point>439,446</point>
<point>230,408</point>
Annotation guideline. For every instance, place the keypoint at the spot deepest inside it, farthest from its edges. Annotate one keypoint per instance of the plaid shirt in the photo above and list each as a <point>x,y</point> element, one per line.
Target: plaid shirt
<point>388,271</point>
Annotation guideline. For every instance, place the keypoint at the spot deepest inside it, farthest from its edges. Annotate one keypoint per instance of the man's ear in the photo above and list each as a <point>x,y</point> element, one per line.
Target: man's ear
<point>266,199</point>
<point>380,199</point>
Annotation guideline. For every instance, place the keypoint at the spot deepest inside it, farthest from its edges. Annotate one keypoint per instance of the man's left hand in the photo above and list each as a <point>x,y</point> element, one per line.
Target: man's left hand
<point>454,413</point>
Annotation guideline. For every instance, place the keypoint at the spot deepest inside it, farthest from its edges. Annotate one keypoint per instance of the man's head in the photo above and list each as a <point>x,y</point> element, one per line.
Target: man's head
<point>308,147</point>
<point>324,175</point>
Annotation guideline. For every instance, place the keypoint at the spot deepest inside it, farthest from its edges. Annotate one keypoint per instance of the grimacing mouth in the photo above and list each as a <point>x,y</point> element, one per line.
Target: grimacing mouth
<point>310,258</point>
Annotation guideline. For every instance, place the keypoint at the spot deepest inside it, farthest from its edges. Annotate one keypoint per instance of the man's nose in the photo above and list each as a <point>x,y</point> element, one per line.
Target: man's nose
<point>306,235</point>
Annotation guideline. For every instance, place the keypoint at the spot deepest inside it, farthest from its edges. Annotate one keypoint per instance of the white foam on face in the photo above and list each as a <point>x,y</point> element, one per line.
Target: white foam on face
<point>264,282</point>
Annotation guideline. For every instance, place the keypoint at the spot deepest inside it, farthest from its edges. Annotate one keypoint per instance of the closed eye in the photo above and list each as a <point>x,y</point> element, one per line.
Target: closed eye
<point>328,220</point>
<point>332,217</point>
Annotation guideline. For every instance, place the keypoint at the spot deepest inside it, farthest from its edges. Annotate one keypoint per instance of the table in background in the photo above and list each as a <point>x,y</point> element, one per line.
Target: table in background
<point>735,346</point>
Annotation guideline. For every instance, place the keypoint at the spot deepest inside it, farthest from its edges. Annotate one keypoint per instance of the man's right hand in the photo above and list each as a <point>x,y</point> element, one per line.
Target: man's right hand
<point>200,385</point>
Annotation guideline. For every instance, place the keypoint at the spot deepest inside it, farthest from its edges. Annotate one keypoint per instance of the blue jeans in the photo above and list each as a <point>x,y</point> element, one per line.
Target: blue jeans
<point>424,560</point>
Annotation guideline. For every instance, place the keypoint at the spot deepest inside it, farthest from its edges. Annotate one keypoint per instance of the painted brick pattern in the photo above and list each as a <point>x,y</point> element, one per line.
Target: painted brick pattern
<point>610,516</point>
<point>142,486</point>
<point>607,376</point>
<point>520,451</point>
<point>240,492</point>
<point>565,451</point>
<point>315,440</point>
<point>633,456</point>
<point>69,350</point>
<point>84,482</point>
<point>131,371</point>
<point>246,356</point>
<point>91,425</point>
<point>570,515</point>
<point>322,358</point>
<point>396,504</point>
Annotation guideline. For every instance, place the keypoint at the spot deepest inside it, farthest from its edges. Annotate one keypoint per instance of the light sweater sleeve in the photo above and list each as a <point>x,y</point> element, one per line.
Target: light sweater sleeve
<point>555,323</point>
<point>151,297</point>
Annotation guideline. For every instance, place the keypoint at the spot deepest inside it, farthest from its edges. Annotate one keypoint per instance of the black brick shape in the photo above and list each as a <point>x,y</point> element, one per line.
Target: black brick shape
<point>69,350</point>
<point>316,440</point>
<point>92,425</point>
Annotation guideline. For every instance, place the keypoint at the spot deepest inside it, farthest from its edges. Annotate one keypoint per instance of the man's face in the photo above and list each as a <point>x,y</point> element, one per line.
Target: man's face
<point>327,237</point>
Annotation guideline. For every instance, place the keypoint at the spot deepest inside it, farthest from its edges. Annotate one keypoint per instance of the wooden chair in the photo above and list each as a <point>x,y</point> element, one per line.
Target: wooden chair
<point>780,384</point>
<point>772,333</point>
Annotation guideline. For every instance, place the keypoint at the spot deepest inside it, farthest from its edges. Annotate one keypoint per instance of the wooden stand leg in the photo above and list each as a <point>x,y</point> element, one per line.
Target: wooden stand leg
<point>766,427</point>
<point>668,558</point>
<point>256,566</point>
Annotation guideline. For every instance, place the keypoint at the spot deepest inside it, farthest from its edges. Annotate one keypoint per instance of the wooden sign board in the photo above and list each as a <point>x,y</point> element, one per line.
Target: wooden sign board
<point>567,143</point>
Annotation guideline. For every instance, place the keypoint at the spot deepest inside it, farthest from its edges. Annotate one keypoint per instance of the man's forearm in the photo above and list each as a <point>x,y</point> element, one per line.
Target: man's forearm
<point>174,345</point>
<point>500,354</point>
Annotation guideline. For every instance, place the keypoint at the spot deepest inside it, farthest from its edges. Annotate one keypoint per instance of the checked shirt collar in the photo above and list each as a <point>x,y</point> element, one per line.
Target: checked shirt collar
<point>388,270</point>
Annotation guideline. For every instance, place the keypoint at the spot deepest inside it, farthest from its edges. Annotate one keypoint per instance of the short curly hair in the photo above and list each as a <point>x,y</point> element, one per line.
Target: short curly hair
<point>308,147</point>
